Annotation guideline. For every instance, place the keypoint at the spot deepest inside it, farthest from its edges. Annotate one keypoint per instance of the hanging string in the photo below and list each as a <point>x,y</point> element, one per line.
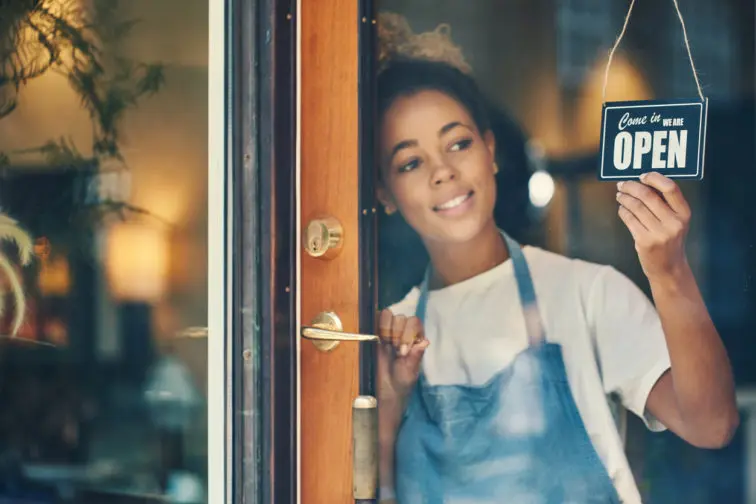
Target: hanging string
<point>614,48</point>
<point>690,54</point>
<point>622,34</point>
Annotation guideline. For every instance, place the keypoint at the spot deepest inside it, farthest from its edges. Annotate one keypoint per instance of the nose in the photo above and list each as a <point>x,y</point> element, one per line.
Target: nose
<point>443,172</point>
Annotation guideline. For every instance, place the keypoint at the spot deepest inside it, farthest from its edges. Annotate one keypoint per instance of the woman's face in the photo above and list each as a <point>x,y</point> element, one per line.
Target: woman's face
<point>437,168</point>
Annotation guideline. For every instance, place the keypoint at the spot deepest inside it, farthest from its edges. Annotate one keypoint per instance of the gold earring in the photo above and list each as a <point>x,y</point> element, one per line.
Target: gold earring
<point>495,168</point>
<point>389,210</point>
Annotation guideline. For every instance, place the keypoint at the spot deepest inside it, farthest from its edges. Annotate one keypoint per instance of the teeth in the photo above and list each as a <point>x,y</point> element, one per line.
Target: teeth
<point>453,203</point>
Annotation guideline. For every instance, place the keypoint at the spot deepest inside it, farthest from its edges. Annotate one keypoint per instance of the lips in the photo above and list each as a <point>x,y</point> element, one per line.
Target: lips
<point>453,203</point>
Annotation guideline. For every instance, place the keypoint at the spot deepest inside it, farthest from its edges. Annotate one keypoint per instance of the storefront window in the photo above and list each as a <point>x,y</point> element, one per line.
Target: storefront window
<point>541,65</point>
<point>104,251</point>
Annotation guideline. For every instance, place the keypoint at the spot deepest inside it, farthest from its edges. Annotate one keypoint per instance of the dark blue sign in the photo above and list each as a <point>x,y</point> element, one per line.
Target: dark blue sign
<point>643,136</point>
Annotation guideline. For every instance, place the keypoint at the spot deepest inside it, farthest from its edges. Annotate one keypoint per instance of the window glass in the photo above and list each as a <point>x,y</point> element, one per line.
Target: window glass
<point>103,251</point>
<point>540,69</point>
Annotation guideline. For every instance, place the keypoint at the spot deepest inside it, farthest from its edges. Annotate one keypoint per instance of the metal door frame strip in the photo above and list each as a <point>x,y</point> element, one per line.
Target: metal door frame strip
<point>219,220</point>
<point>279,238</point>
<point>368,196</point>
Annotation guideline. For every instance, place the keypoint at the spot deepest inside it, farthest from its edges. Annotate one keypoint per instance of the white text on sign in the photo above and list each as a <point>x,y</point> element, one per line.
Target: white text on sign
<point>667,148</point>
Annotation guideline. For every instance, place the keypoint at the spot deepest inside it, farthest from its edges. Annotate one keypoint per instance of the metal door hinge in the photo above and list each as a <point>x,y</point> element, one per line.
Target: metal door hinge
<point>365,439</point>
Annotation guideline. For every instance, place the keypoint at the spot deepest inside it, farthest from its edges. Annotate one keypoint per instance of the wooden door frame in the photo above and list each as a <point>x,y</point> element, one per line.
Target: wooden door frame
<point>264,145</point>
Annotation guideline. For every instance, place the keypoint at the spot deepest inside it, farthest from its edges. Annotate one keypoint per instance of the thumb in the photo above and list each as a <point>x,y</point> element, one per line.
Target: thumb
<point>416,353</point>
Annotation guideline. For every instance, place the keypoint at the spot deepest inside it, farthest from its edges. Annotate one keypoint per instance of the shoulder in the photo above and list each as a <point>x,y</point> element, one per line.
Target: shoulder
<point>549,266</point>
<point>597,287</point>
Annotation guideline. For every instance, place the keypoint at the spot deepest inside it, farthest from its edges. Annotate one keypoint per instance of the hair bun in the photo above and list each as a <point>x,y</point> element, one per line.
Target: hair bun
<point>396,40</point>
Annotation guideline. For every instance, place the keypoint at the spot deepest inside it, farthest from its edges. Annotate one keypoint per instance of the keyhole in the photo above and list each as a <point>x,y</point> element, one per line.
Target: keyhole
<point>316,243</point>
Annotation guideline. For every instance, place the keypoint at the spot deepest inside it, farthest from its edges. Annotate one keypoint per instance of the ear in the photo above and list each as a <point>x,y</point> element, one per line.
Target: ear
<point>490,141</point>
<point>385,199</point>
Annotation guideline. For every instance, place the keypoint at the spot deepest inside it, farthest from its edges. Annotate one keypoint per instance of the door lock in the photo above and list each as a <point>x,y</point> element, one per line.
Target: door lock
<point>327,331</point>
<point>323,238</point>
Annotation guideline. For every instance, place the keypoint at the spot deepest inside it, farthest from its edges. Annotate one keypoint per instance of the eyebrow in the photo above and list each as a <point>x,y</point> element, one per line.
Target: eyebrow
<point>446,129</point>
<point>406,144</point>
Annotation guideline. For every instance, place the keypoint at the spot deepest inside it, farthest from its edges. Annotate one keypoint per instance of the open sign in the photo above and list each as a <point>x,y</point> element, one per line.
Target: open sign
<point>642,136</point>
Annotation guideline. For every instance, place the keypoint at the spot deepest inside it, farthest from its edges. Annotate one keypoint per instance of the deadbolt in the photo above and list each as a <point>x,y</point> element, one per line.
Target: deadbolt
<point>323,238</point>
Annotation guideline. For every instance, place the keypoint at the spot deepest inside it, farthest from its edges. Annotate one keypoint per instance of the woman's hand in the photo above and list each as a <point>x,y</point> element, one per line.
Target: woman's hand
<point>399,356</point>
<point>658,216</point>
<point>402,347</point>
<point>696,398</point>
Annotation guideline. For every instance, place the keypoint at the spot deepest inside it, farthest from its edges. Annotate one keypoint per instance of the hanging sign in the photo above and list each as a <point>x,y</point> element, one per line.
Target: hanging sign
<point>668,136</point>
<point>642,136</point>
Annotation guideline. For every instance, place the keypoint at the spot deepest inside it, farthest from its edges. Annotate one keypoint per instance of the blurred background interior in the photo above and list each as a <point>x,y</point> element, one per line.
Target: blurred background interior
<point>103,161</point>
<point>542,62</point>
<point>104,164</point>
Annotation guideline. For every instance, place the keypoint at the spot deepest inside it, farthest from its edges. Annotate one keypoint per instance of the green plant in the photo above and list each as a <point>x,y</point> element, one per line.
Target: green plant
<point>40,36</point>
<point>86,47</point>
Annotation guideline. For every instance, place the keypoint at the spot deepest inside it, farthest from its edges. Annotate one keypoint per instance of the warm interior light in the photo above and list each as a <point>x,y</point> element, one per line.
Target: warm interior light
<point>626,82</point>
<point>137,262</point>
<point>541,187</point>
<point>54,277</point>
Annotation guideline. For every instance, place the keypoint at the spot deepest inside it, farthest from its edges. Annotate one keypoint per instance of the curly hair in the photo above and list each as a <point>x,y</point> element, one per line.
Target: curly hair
<point>412,62</point>
<point>396,40</point>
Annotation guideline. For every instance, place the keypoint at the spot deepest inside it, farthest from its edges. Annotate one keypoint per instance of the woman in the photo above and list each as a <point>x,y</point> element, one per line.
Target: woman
<point>496,369</point>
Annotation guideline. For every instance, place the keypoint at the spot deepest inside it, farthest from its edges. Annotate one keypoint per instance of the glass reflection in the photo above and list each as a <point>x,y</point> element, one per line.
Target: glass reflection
<point>475,138</point>
<point>103,251</point>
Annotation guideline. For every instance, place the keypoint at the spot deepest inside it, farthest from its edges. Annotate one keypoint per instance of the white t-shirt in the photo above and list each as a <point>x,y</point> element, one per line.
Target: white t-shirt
<point>610,333</point>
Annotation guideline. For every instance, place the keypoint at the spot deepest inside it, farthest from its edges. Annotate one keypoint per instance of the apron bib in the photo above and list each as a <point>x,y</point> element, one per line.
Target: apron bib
<point>518,439</point>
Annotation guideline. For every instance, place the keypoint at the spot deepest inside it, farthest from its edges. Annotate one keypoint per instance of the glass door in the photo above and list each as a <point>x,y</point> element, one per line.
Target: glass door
<point>340,256</point>
<point>115,252</point>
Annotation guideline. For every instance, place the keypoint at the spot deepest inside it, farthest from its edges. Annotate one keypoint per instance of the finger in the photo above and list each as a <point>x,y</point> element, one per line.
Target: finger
<point>385,357</point>
<point>635,227</point>
<point>640,211</point>
<point>649,197</point>
<point>412,330</point>
<point>397,329</point>
<point>384,325</point>
<point>670,191</point>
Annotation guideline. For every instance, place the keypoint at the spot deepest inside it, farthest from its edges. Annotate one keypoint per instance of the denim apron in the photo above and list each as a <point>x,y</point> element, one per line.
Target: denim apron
<point>518,439</point>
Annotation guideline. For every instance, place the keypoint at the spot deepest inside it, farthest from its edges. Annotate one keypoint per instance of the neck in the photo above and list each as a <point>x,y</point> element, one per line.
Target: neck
<point>456,262</point>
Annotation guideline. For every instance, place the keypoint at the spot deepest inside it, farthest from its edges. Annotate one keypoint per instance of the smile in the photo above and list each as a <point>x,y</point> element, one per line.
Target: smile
<point>453,203</point>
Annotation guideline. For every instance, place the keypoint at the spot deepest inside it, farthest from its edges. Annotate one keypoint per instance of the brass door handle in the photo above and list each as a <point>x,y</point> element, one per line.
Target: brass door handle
<point>327,331</point>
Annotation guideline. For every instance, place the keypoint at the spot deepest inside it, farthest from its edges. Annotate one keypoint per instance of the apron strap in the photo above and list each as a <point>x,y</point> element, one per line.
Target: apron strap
<point>533,325</point>
<point>525,286</point>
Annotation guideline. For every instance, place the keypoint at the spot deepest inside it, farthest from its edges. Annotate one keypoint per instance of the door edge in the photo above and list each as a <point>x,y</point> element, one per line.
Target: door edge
<point>279,238</point>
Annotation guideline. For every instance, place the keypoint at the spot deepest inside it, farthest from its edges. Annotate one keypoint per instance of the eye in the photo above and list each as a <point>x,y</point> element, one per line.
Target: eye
<point>408,166</point>
<point>461,145</point>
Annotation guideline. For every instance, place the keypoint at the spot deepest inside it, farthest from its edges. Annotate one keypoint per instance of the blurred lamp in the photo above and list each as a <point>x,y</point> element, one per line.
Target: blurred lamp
<point>137,262</point>
<point>136,267</point>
